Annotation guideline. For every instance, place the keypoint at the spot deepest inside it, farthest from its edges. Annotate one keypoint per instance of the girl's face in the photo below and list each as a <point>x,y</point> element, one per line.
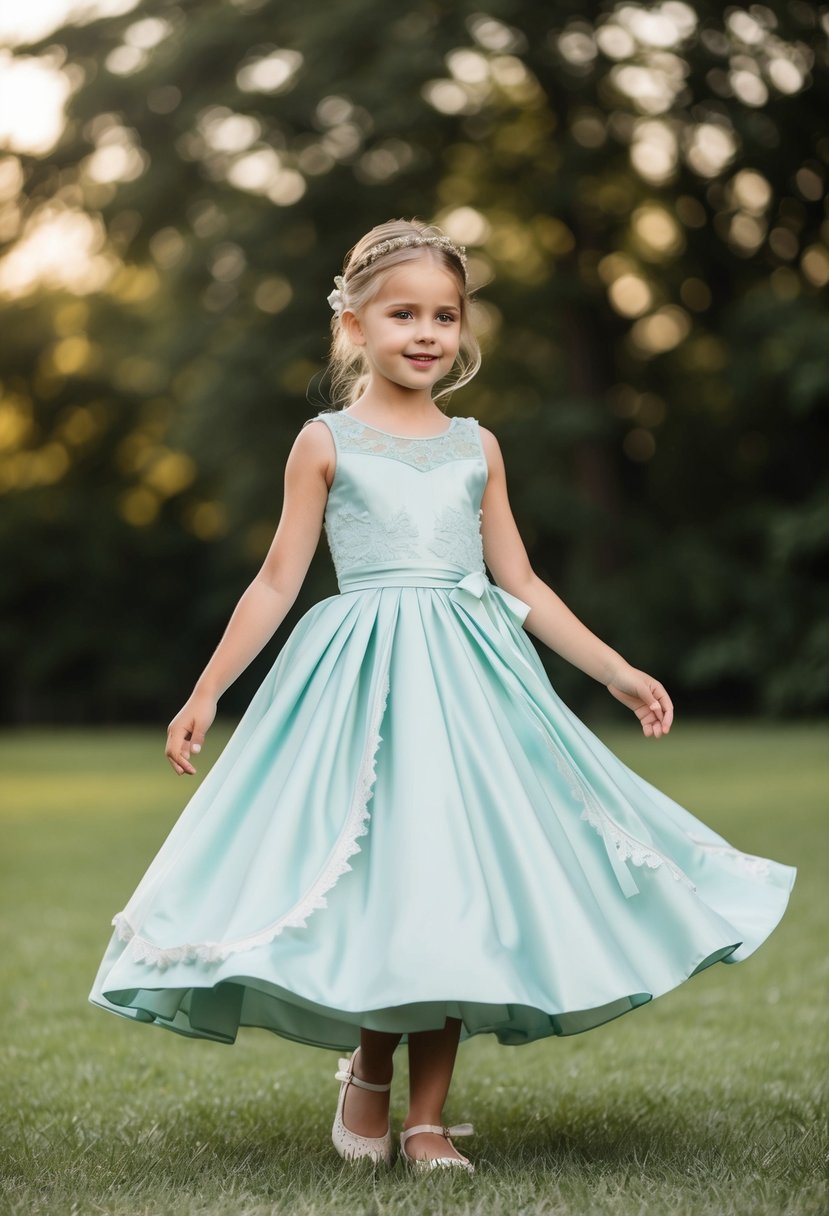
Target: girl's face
<point>411,330</point>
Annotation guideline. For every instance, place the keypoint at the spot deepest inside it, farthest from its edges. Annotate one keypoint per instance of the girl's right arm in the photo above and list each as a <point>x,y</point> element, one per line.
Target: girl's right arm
<point>268,599</point>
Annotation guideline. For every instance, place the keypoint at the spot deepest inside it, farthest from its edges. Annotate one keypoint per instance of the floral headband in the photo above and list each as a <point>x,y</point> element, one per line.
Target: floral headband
<point>337,297</point>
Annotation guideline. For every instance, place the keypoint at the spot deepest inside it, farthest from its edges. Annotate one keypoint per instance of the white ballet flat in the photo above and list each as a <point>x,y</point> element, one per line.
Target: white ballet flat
<point>347,1143</point>
<point>425,1164</point>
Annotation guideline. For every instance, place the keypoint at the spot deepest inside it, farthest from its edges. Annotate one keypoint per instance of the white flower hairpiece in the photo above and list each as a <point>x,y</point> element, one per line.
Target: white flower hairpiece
<point>337,297</point>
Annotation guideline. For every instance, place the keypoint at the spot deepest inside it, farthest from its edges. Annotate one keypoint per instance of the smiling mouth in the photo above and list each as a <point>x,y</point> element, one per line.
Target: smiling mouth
<point>422,358</point>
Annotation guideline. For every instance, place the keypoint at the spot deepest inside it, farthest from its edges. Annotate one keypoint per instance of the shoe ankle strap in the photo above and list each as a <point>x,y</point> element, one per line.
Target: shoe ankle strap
<point>457,1129</point>
<point>346,1073</point>
<point>346,1076</point>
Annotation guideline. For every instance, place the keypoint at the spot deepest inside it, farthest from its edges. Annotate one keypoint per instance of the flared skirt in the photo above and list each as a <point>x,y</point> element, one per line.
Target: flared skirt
<point>409,824</point>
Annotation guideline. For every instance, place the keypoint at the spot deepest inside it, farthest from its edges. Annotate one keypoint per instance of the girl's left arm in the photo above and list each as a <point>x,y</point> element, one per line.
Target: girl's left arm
<point>549,618</point>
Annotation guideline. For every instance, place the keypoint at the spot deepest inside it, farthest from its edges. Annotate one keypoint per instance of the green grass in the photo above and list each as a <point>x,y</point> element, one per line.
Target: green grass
<point>708,1100</point>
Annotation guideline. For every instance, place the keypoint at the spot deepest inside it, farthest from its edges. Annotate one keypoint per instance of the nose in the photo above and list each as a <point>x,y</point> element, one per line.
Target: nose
<point>424,333</point>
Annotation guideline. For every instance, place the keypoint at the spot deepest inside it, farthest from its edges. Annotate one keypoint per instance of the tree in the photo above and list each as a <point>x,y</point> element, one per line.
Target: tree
<point>645,189</point>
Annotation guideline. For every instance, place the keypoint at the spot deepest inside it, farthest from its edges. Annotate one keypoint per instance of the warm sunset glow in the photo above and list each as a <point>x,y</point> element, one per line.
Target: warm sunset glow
<point>23,23</point>
<point>32,96</point>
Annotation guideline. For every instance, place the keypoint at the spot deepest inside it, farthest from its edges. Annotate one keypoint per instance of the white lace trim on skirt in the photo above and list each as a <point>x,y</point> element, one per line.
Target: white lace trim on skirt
<point>625,846</point>
<point>356,824</point>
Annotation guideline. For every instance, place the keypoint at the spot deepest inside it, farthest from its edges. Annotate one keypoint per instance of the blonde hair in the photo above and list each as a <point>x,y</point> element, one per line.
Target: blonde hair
<point>347,364</point>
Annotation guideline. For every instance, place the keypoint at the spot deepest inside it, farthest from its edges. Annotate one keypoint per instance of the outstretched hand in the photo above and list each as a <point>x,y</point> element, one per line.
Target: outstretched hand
<point>646,697</point>
<point>186,732</point>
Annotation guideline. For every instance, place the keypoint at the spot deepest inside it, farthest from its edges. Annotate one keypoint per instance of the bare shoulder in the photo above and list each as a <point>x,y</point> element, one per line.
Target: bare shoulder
<point>492,450</point>
<point>314,448</point>
<point>314,431</point>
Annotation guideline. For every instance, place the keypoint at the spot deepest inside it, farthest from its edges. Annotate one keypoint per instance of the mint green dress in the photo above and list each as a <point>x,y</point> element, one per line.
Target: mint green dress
<point>408,824</point>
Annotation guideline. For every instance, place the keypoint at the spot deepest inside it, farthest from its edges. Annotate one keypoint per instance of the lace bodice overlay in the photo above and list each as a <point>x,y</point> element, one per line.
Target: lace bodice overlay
<point>458,442</point>
<point>399,506</point>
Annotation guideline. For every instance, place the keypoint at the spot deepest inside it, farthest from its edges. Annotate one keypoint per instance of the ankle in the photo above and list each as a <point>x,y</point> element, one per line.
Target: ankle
<point>418,1117</point>
<point>376,1073</point>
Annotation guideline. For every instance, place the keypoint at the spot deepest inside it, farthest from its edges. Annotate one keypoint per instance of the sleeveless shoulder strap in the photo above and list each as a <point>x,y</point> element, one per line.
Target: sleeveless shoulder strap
<point>323,416</point>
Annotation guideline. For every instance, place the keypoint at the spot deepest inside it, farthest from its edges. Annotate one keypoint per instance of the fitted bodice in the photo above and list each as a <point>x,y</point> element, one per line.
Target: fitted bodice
<point>404,510</point>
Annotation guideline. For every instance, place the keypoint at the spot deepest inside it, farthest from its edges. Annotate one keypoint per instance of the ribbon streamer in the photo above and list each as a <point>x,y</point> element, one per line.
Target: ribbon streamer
<point>476,593</point>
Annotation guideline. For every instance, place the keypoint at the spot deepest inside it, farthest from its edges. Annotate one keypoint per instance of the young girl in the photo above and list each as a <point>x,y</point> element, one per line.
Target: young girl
<point>511,876</point>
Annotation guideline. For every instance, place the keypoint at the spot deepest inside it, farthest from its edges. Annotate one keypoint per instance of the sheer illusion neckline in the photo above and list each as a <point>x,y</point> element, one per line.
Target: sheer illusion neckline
<point>393,434</point>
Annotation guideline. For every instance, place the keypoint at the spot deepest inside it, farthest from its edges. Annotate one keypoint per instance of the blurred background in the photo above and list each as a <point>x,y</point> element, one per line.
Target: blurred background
<point>643,192</point>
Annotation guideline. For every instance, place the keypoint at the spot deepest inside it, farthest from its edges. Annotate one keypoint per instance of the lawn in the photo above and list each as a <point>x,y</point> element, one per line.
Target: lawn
<point>708,1101</point>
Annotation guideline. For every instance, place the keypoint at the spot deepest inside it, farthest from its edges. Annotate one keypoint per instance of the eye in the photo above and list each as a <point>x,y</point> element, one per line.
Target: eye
<point>446,316</point>
<point>402,312</point>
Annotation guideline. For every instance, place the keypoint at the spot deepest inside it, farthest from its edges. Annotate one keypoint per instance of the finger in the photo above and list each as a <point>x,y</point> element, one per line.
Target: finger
<point>185,763</point>
<point>179,761</point>
<point>184,747</point>
<point>656,720</point>
<point>666,716</point>
<point>193,738</point>
<point>172,749</point>
<point>666,707</point>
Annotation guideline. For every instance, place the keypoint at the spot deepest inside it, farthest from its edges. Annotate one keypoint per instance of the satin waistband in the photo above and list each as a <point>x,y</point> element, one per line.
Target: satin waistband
<point>400,578</point>
<point>473,589</point>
